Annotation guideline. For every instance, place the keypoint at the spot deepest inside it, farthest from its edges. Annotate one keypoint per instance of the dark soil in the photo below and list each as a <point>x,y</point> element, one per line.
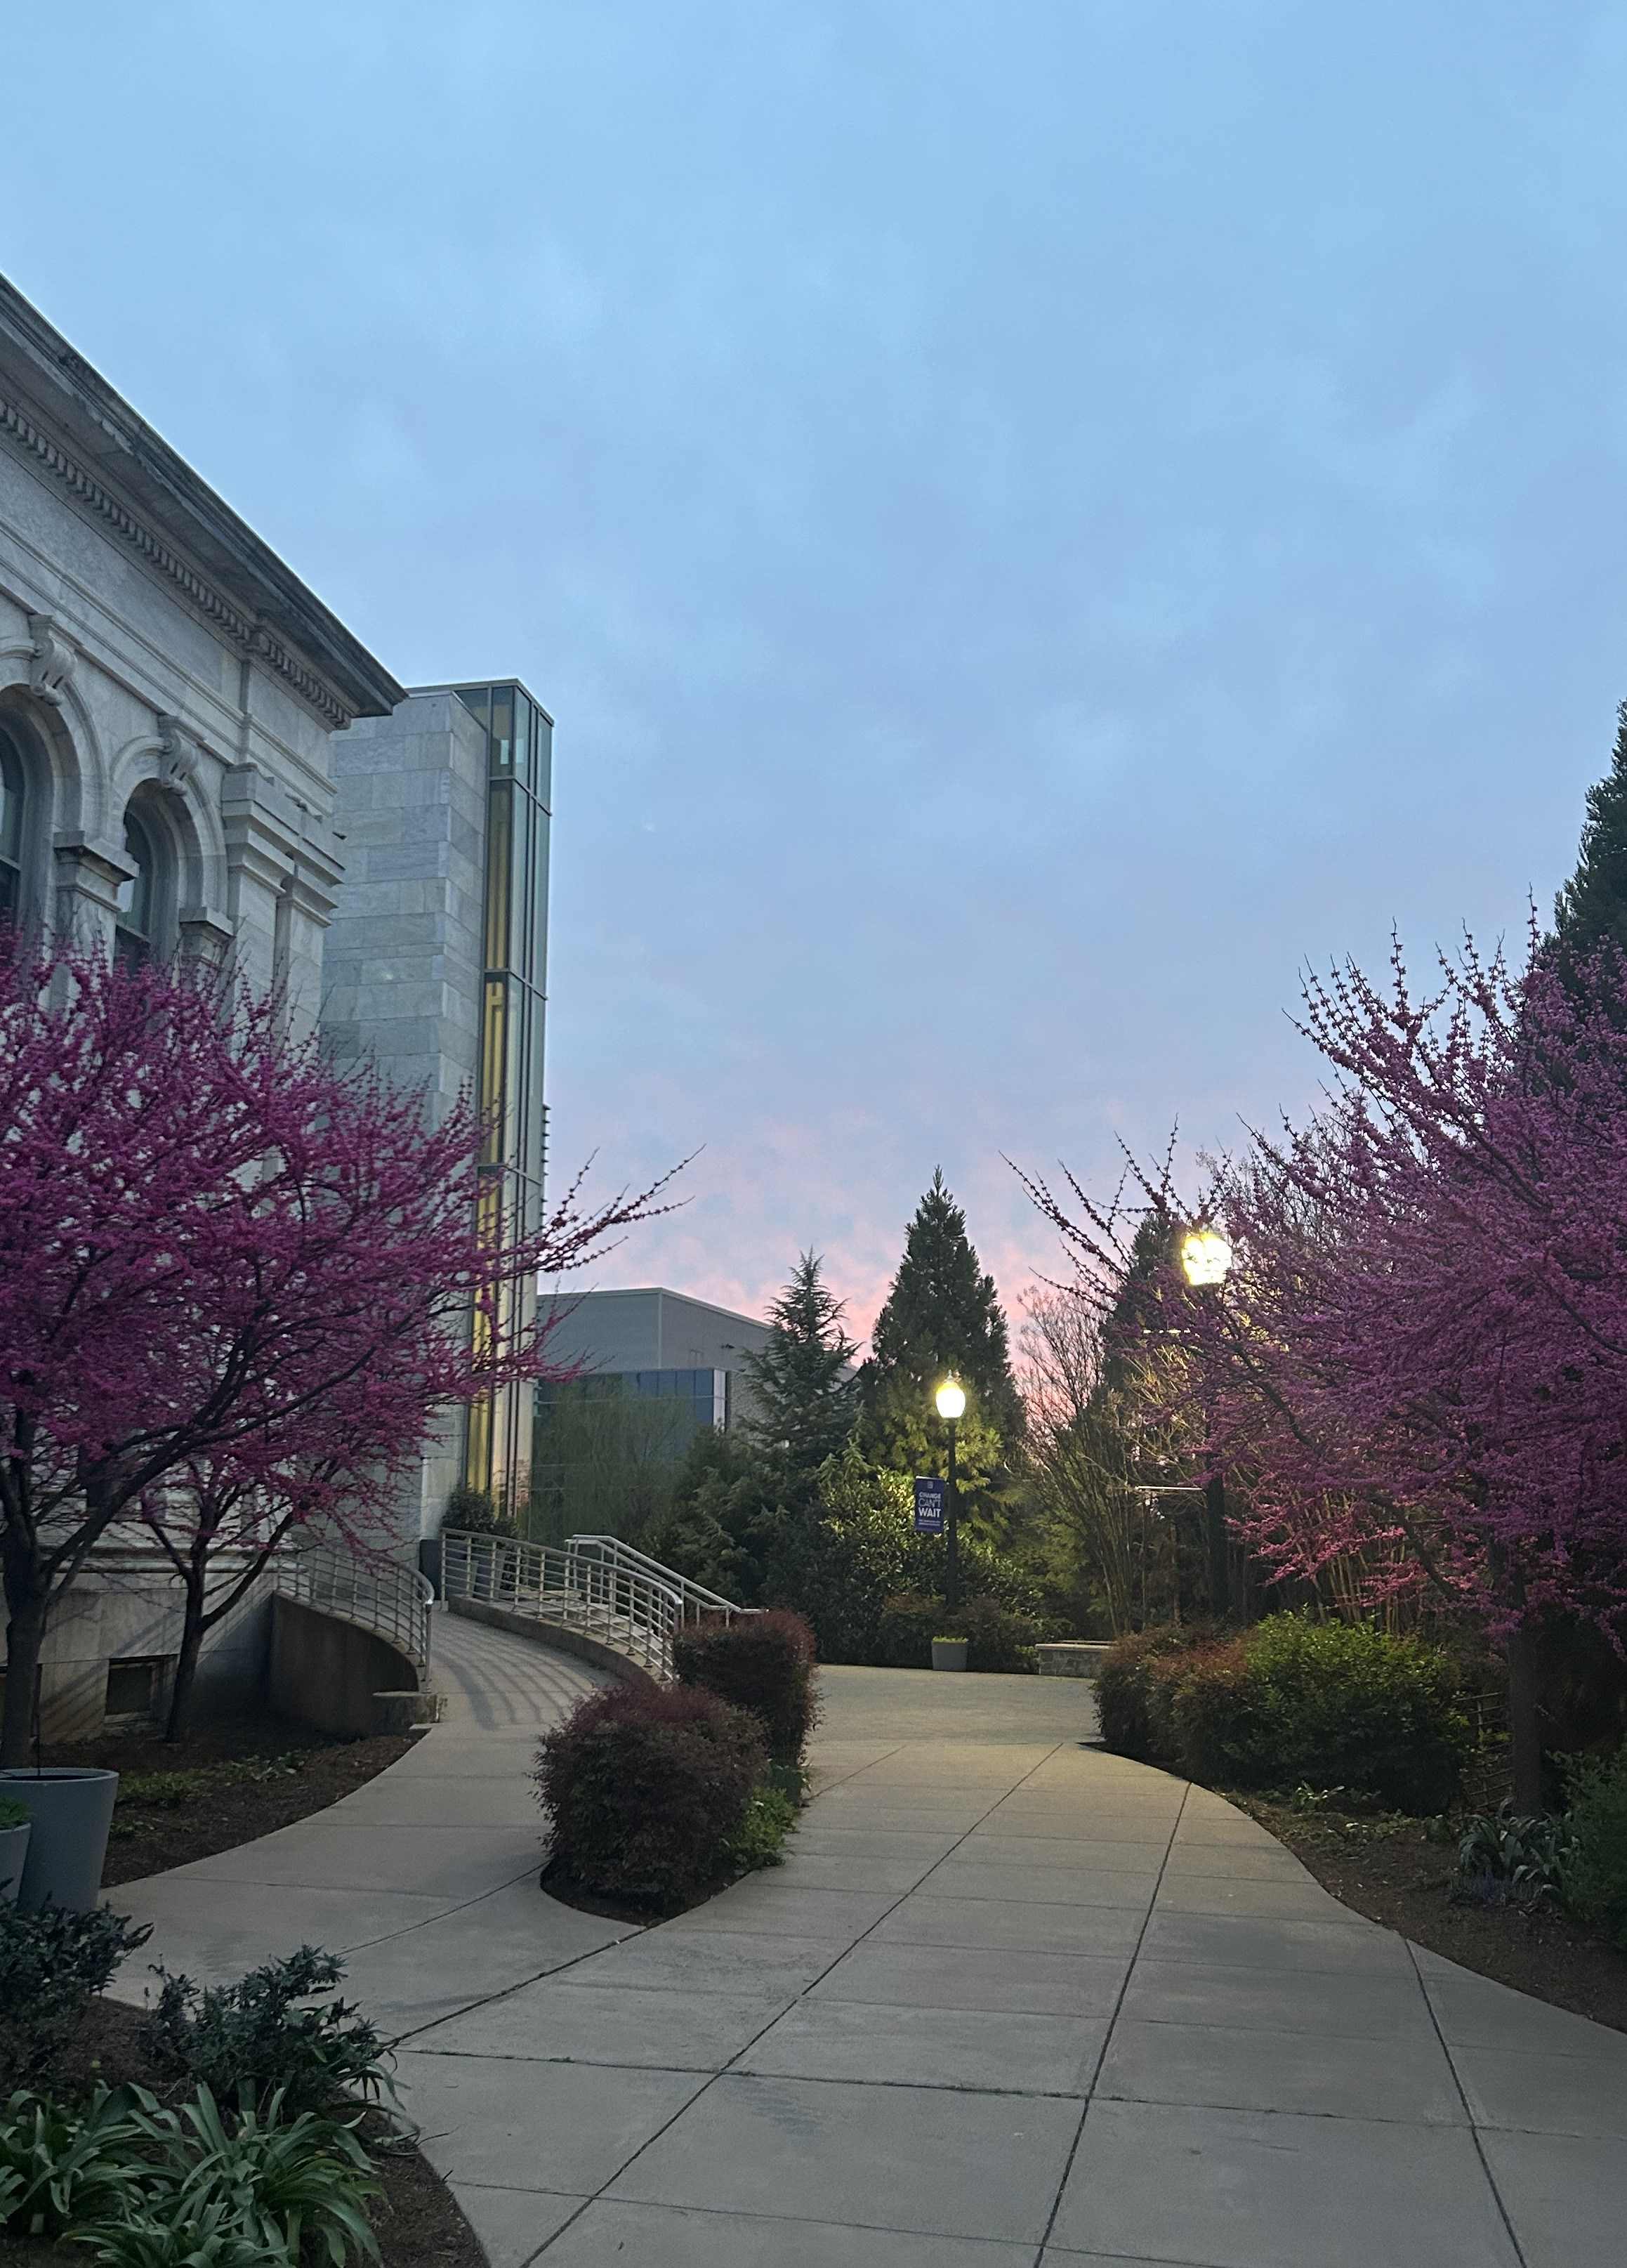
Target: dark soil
<point>243,1777</point>
<point>418,2222</point>
<point>1390,1870</point>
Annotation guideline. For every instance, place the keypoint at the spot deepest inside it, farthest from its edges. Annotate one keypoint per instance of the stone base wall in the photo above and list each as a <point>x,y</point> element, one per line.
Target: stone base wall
<point>332,1673</point>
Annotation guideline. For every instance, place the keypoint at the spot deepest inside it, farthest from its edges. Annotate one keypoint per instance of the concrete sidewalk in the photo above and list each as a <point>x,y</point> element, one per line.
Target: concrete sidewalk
<point>1011,1999</point>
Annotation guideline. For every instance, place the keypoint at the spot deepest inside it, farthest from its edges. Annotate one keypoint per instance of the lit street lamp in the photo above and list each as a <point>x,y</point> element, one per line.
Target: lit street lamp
<point>951,1400</point>
<point>1206,1258</point>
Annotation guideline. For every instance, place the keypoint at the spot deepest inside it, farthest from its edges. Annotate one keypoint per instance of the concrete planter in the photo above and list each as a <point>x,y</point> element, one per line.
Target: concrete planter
<point>68,1842</point>
<point>949,1652</point>
<point>13,1854</point>
<point>1073,1657</point>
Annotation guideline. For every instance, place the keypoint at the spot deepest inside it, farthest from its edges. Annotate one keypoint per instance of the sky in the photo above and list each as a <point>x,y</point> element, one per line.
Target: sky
<point>1035,521</point>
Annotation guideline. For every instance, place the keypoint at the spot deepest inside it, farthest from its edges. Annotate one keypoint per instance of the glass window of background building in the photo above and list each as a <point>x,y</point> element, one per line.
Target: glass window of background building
<point>520,793</point>
<point>609,1446</point>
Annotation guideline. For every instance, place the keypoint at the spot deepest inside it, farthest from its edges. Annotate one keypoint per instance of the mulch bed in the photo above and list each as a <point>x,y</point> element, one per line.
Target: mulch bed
<point>418,2222</point>
<point>1391,1871</point>
<point>257,1773</point>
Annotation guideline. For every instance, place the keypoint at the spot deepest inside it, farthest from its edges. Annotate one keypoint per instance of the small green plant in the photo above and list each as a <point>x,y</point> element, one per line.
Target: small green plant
<point>61,2166</point>
<point>759,1840</point>
<point>1510,1858</point>
<point>146,2235</point>
<point>1595,1871</point>
<point>13,1814</point>
<point>51,1964</point>
<point>162,1791</point>
<point>289,2182</point>
<point>261,2034</point>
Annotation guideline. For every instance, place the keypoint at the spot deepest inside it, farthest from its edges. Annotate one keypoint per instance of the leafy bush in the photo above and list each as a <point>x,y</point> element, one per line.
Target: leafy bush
<point>259,2037</point>
<point>1293,1702</point>
<point>61,2166</point>
<point>51,1964</point>
<point>143,2186</point>
<point>1507,1858</point>
<point>284,2182</point>
<point>647,1789</point>
<point>764,1663</point>
<point>1595,1880</point>
<point>1124,1691</point>
<point>760,1838</point>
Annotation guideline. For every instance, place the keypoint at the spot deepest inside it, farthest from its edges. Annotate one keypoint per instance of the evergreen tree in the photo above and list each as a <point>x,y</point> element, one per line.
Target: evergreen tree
<point>941,1318</point>
<point>804,1380</point>
<point>1592,907</point>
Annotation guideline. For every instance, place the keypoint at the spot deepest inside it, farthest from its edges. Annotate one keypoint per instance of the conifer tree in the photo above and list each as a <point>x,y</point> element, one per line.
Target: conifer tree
<point>1593,905</point>
<point>804,1380</point>
<point>941,1317</point>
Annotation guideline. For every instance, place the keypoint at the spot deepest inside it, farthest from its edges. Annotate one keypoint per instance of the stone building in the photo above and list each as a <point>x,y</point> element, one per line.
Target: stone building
<point>437,965</point>
<point>198,759</point>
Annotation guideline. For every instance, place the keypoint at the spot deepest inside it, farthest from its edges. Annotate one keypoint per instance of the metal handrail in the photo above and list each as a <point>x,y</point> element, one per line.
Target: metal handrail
<point>698,1601</point>
<point>380,1596</point>
<point>623,1598</point>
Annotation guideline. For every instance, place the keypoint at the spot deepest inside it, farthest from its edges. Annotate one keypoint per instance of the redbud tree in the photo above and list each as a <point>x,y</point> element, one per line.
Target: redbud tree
<point>231,1276</point>
<point>1419,1357</point>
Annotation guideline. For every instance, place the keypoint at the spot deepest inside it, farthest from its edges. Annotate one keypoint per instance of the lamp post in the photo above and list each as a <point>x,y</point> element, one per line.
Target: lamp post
<point>951,1400</point>
<point>1206,1259</point>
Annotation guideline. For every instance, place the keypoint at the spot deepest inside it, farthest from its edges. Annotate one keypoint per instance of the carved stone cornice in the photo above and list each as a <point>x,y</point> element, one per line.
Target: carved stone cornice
<point>251,637</point>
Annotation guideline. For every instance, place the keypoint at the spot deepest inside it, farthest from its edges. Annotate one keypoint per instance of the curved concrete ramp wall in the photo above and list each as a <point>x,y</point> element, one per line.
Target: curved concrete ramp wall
<point>333,1674</point>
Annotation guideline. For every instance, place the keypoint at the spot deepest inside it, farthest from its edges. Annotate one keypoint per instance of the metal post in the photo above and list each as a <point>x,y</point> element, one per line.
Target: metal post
<point>952,1576</point>
<point>1220,1560</point>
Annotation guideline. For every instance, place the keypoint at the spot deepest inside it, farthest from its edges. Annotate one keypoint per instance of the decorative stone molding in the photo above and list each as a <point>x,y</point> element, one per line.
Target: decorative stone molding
<point>251,637</point>
<point>177,752</point>
<point>50,664</point>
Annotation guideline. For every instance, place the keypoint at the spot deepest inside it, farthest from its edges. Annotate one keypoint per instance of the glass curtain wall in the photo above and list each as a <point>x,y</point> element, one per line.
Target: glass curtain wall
<point>520,794</point>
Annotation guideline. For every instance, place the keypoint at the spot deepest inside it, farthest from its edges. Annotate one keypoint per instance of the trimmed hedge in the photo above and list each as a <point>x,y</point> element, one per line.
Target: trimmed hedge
<point>764,1663</point>
<point>648,1791</point>
<point>1293,1702</point>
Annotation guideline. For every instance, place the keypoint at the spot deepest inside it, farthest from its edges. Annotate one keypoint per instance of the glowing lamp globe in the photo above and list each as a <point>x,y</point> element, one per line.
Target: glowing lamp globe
<point>951,1400</point>
<point>1206,1257</point>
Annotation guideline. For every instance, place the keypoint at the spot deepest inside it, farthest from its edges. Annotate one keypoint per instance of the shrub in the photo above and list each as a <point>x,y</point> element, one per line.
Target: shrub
<point>284,2183</point>
<point>647,1789</point>
<point>261,2036</point>
<point>1357,1708</point>
<point>1594,1880</point>
<point>764,1663</point>
<point>1124,1691</point>
<point>51,1964</point>
<point>997,1637</point>
<point>1291,1702</point>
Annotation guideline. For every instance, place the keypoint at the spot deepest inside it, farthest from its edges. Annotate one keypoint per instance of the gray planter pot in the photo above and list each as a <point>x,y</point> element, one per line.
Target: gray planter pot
<point>72,1811</point>
<point>13,1853</point>
<point>949,1652</point>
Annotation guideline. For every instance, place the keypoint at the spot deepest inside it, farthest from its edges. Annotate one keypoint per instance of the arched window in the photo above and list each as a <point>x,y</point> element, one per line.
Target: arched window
<point>135,937</point>
<point>13,796</point>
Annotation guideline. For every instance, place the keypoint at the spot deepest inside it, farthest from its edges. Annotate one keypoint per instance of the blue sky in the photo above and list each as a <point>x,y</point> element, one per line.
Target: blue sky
<point>1034,520</point>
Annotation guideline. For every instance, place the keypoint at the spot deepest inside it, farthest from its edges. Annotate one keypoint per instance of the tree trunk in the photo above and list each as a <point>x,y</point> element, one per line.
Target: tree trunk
<point>25,1638</point>
<point>185,1663</point>
<point>1525,1740</point>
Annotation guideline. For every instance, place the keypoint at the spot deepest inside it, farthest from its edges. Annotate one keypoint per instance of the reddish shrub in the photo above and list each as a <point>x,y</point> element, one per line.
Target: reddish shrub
<point>764,1663</point>
<point>646,1788</point>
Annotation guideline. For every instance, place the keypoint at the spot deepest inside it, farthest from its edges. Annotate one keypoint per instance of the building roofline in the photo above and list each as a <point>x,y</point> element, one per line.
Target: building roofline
<point>479,685</point>
<point>662,1291</point>
<point>55,408</point>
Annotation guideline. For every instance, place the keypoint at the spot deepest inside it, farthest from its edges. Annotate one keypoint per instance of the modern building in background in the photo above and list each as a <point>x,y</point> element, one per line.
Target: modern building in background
<point>659,1344</point>
<point>437,965</point>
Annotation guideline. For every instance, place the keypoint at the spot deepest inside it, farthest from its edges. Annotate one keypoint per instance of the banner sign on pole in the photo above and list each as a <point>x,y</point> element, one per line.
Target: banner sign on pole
<point>928,1505</point>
